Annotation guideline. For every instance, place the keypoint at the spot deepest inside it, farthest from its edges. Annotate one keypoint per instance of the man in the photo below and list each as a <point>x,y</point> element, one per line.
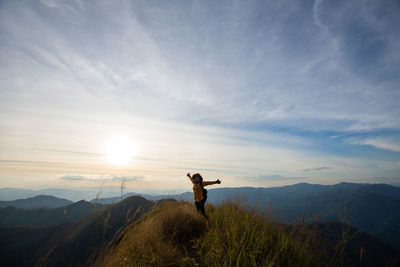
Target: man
<point>199,193</point>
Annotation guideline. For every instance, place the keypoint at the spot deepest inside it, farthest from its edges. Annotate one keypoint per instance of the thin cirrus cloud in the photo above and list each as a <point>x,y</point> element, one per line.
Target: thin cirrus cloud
<point>280,76</point>
<point>272,177</point>
<point>387,143</point>
<point>101,178</point>
<point>158,65</point>
<point>317,169</point>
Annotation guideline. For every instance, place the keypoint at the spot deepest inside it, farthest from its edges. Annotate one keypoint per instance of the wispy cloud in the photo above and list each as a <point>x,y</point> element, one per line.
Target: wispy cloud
<point>73,178</point>
<point>184,91</point>
<point>387,143</point>
<point>317,169</point>
<point>102,178</point>
<point>270,177</point>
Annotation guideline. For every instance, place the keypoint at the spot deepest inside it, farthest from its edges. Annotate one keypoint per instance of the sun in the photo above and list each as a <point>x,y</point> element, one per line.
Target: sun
<point>119,151</point>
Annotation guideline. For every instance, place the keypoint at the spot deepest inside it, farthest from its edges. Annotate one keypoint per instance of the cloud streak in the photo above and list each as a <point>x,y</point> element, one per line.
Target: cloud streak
<point>386,143</point>
<point>271,177</point>
<point>317,169</point>
<point>102,178</point>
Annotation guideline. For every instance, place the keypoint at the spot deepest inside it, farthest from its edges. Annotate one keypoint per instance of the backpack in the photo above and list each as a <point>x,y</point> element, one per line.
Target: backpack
<point>204,194</point>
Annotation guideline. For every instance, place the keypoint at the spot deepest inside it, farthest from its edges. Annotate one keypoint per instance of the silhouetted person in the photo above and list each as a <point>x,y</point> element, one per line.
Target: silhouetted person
<point>199,193</point>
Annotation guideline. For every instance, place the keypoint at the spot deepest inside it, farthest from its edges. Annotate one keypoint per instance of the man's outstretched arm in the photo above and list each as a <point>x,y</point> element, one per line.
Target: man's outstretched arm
<point>205,183</point>
<point>190,177</point>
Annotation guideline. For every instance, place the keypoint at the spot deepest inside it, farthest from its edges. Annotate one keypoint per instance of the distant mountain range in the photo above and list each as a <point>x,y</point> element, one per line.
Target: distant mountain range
<point>109,192</point>
<point>12,216</point>
<point>374,208</point>
<point>9,194</point>
<point>36,202</point>
<point>110,200</point>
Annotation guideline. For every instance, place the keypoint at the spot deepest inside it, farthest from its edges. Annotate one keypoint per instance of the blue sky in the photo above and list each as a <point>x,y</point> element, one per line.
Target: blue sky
<point>258,93</point>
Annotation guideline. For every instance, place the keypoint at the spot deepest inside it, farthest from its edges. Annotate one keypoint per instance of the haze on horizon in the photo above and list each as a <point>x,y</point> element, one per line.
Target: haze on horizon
<point>258,93</point>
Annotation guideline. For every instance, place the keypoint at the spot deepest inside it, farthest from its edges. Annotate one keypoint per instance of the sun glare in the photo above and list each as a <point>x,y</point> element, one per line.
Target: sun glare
<point>119,151</point>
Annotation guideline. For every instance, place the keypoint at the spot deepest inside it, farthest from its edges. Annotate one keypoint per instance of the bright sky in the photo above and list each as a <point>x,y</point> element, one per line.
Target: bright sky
<point>256,93</point>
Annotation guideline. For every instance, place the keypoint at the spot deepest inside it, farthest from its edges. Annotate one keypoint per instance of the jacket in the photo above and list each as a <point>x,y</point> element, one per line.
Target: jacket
<point>198,189</point>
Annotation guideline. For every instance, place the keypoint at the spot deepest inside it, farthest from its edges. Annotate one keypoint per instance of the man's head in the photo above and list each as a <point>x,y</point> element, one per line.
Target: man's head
<point>197,178</point>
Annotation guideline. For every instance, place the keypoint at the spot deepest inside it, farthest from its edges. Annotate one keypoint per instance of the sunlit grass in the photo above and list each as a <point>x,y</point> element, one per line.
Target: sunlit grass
<point>176,235</point>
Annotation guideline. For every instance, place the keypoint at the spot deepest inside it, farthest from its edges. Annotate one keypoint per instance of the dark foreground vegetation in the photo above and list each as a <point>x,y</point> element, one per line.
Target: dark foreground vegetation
<point>139,232</point>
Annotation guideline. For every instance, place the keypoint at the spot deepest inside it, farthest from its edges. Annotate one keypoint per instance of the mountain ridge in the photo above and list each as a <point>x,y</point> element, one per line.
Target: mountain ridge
<point>39,201</point>
<point>344,202</point>
<point>13,216</point>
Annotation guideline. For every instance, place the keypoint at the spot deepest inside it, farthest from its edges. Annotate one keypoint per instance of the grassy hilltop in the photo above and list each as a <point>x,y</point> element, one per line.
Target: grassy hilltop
<point>174,234</point>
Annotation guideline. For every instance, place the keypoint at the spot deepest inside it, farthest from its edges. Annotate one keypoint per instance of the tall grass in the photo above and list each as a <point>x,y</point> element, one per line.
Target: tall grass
<point>236,237</point>
<point>99,192</point>
<point>175,234</point>
<point>122,187</point>
<point>162,238</point>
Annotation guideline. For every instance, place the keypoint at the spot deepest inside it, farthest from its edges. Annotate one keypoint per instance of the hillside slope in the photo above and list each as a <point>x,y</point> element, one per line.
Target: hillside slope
<point>22,246</point>
<point>87,239</point>
<point>69,244</point>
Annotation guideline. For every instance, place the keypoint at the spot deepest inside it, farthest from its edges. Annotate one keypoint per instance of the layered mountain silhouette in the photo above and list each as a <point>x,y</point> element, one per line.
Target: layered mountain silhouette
<point>69,244</point>
<point>374,208</point>
<point>344,224</point>
<point>35,202</point>
<point>12,216</point>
